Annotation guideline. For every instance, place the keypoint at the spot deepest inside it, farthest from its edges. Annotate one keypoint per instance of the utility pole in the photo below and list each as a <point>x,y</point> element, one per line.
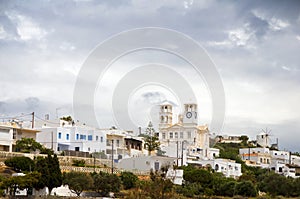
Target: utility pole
<point>177,152</point>
<point>32,120</point>
<point>95,161</point>
<point>182,153</point>
<point>52,140</point>
<point>112,156</point>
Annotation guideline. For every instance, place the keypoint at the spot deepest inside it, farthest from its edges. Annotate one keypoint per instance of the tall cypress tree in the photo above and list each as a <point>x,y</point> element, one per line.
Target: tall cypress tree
<point>55,177</point>
<point>51,175</point>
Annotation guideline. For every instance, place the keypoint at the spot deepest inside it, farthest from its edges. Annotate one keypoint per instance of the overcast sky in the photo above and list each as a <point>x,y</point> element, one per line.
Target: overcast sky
<point>255,46</point>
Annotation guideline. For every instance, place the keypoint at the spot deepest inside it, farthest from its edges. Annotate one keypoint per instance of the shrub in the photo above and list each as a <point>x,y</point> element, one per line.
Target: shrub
<point>128,180</point>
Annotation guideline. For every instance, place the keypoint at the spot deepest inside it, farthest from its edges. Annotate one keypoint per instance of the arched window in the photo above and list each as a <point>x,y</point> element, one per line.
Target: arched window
<point>216,167</point>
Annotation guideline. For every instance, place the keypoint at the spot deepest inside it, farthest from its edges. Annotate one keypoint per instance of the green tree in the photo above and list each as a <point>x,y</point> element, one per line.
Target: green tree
<point>50,171</point>
<point>27,145</point>
<point>67,118</point>
<point>158,187</point>
<point>151,143</point>
<point>228,188</point>
<point>244,139</point>
<point>78,181</point>
<point>20,164</point>
<point>275,184</point>
<point>20,182</point>
<point>128,179</point>
<point>202,176</point>
<point>245,188</point>
<point>105,183</point>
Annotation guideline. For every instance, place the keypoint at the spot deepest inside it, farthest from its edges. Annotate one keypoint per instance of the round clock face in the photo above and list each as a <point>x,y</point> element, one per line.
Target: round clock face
<point>188,114</point>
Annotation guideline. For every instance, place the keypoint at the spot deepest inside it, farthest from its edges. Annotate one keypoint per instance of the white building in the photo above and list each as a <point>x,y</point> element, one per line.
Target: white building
<point>69,136</point>
<point>295,160</point>
<point>228,167</point>
<point>11,132</point>
<point>260,157</point>
<point>185,137</point>
<point>263,140</point>
<point>146,163</point>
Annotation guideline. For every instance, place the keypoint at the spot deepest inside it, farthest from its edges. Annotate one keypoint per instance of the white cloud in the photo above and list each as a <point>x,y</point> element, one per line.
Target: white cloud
<point>275,24</point>
<point>286,68</point>
<point>27,29</point>
<point>240,37</point>
<point>225,43</point>
<point>67,46</point>
<point>298,37</point>
<point>3,34</point>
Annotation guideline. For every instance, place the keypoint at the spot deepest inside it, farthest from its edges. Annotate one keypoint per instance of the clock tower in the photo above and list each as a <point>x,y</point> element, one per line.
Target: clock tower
<point>190,115</point>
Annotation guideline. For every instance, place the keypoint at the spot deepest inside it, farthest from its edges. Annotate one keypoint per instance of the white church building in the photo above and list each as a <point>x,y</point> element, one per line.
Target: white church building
<point>186,137</point>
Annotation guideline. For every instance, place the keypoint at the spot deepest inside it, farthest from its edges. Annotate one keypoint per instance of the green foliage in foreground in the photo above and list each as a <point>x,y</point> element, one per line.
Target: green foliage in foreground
<point>105,183</point>
<point>128,180</point>
<point>20,164</point>
<point>78,181</point>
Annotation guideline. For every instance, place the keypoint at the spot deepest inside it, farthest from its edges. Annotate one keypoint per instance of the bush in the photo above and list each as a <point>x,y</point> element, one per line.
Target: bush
<point>128,180</point>
<point>105,183</point>
<point>78,163</point>
<point>245,188</point>
<point>20,164</point>
<point>78,181</point>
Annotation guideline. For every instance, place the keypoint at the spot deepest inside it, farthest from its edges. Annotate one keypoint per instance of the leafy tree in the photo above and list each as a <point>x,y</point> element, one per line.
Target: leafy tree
<point>20,164</point>
<point>55,179</point>
<point>151,143</point>
<point>275,184</point>
<point>221,185</point>
<point>27,145</point>
<point>105,183</point>
<point>67,118</point>
<point>151,139</point>
<point>159,186</point>
<point>228,188</point>
<point>78,181</point>
<point>128,179</point>
<point>20,182</point>
<point>245,188</point>
<point>50,171</point>
<point>244,139</point>
<point>201,176</point>
<point>190,190</point>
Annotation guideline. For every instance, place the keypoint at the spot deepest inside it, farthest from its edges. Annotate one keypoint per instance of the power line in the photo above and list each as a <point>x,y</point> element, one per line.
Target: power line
<point>14,117</point>
<point>46,120</point>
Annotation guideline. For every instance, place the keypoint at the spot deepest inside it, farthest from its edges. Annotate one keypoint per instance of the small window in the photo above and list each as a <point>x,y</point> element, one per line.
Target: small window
<point>96,137</point>
<point>59,135</point>
<point>163,135</point>
<point>118,143</point>
<point>101,139</point>
<point>77,136</point>
<point>90,137</point>
<point>176,134</point>
<point>67,136</point>
<point>82,137</point>
<point>171,135</point>
<point>181,134</point>
<point>189,134</point>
